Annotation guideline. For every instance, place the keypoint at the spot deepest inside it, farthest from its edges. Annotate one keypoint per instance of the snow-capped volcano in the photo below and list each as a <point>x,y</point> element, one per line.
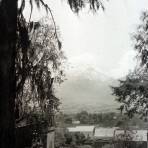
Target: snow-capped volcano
<point>86,88</point>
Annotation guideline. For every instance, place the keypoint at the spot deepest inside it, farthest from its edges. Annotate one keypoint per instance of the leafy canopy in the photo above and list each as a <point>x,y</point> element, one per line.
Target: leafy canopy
<point>132,92</point>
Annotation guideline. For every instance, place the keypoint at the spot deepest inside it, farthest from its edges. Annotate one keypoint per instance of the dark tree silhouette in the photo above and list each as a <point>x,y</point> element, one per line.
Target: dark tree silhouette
<point>8,27</point>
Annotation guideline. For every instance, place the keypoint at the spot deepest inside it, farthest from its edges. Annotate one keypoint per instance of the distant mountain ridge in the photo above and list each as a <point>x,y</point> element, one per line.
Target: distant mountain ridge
<point>87,90</point>
<point>76,108</point>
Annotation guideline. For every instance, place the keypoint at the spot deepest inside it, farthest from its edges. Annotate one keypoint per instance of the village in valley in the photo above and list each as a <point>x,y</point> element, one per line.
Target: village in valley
<point>107,130</point>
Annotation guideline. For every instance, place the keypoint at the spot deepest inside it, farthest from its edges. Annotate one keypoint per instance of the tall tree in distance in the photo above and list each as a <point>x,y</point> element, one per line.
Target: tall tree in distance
<point>132,92</point>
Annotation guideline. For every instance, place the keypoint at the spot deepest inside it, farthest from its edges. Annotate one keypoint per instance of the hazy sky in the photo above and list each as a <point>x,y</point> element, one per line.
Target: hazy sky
<point>99,40</point>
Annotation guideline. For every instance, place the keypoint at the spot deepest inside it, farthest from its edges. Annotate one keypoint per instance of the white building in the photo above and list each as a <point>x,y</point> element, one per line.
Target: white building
<point>86,130</point>
<point>104,133</point>
<point>116,134</point>
<point>76,122</point>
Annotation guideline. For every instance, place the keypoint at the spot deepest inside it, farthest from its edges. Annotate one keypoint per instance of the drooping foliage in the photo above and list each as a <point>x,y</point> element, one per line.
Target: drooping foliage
<point>77,5</point>
<point>38,48</point>
<point>37,67</point>
<point>38,64</point>
<point>132,92</point>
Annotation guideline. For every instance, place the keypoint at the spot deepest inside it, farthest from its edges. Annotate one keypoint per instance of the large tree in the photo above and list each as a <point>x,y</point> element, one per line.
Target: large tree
<point>40,66</point>
<point>11,28</point>
<point>132,92</point>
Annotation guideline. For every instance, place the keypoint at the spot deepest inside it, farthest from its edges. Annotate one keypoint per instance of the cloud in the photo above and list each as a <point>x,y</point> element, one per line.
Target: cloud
<point>125,65</point>
<point>81,64</point>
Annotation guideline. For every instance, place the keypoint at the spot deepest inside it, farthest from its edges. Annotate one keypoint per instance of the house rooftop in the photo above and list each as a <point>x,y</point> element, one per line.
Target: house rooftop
<point>104,132</point>
<point>116,133</point>
<point>81,129</point>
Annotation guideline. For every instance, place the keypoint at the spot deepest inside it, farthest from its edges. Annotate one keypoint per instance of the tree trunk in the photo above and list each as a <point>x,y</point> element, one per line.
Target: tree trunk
<point>8,25</point>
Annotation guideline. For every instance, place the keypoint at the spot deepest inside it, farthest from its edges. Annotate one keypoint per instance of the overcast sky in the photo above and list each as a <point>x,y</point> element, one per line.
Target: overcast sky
<point>99,40</point>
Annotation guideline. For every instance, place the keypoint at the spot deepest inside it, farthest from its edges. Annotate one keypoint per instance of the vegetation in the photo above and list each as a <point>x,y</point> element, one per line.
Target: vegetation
<point>74,140</point>
<point>36,71</point>
<point>99,119</point>
<point>37,68</point>
<point>132,92</point>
